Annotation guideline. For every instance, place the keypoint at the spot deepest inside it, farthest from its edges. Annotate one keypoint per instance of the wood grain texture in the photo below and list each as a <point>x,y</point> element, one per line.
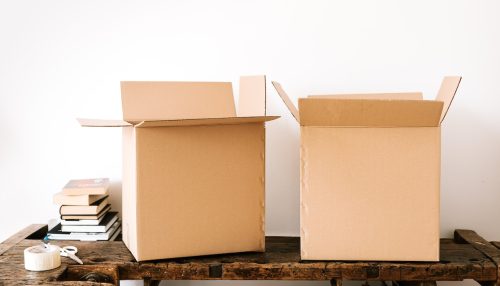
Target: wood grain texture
<point>281,261</point>
<point>19,236</point>
<point>482,245</point>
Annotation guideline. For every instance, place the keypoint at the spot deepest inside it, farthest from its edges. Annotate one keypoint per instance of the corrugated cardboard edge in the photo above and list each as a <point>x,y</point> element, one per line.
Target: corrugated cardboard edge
<point>447,91</point>
<point>252,96</point>
<point>303,188</point>
<point>262,243</point>
<point>206,121</point>
<point>293,109</point>
<point>129,191</point>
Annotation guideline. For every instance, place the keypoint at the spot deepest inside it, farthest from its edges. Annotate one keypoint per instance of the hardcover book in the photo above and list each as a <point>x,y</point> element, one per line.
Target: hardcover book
<point>57,234</point>
<point>93,209</point>
<point>86,187</point>
<point>109,219</point>
<point>83,216</point>
<point>76,200</point>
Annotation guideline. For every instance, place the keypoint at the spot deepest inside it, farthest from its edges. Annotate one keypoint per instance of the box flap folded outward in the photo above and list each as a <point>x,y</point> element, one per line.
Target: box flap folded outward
<point>286,100</point>
<point>373,110</point>
<point>252,98</point>
<point>155,104</point>
<point>150,100</point>
<point>369,112</point>
<point>447,92</point>
<point>206,121</point>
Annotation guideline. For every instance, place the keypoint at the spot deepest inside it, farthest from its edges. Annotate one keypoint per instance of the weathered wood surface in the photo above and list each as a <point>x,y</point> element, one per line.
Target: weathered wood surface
<point>488,249</point>
<point>496,244</point>
<point>21,235</point>
<point>481,244</point>
<point>281,261</point>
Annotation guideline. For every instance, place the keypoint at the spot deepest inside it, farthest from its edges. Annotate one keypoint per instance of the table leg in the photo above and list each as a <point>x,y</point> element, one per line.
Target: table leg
<point>336,282</point>
<point>150,282</point>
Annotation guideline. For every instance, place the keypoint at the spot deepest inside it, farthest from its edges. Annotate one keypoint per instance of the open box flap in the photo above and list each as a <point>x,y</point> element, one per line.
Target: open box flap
<point>447,92</point>
<point>252,100</point>
<point>287,101</point>
<point>206,121</point>
<point>369,112</point>
<point>396,95</point>
<point>86,122</point>
<point>155,100</point>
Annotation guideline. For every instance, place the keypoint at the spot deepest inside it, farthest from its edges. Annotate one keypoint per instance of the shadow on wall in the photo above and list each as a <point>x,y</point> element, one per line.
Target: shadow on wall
<point>115,196</point>
<point>470,175</point>
<point>282,178</point>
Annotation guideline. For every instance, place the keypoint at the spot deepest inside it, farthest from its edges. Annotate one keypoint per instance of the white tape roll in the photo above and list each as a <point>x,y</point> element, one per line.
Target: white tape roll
<point>40,258</point>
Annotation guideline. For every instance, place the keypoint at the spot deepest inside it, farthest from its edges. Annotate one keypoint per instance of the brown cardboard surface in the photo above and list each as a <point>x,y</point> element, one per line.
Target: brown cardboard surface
<point>206,121</point>
<point>366,192</point>
<point>200,190</point>
<point>193,173</point>
<point>151,100</point>
<point>287,101</point>
<point>129,189</point>
<point>396,95</point>
<point>252,97</point>
<point>447,92</point>
<point>369,112</point>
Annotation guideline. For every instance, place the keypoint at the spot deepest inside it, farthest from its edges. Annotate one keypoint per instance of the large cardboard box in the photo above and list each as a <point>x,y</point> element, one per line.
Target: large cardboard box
<point>370,174</point>
<point>193,171</point>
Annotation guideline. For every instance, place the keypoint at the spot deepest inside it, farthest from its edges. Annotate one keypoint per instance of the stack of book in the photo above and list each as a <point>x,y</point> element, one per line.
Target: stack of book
<point>85,212</point>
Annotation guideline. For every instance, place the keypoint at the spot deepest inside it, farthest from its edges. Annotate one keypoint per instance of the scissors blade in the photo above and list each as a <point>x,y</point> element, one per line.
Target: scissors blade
<point>74,257</point>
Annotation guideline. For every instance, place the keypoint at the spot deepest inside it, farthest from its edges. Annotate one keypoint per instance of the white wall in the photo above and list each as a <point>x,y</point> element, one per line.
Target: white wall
<point>63,59</point>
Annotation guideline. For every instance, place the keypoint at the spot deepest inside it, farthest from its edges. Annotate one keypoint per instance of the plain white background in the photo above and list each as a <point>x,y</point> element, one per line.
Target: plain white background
<point>64,59</point>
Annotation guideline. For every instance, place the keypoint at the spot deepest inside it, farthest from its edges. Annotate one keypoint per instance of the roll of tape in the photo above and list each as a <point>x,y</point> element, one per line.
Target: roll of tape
<point>41,258</point>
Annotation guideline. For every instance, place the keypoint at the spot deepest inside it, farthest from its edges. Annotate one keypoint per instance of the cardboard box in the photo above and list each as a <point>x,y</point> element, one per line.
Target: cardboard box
<point>370,174</point>
<point>193,171</point>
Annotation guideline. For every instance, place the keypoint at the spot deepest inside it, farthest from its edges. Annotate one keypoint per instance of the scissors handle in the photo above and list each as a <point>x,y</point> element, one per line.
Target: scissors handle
<point>70,249</point>
<point>70,252</point>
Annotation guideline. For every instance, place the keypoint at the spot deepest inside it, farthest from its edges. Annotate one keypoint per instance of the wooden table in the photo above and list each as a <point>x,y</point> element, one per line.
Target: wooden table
<point>467,256</point>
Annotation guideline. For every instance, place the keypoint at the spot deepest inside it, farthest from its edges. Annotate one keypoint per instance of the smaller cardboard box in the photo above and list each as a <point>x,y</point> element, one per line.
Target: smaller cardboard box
<point>370,174</point>
<point>193,171</point>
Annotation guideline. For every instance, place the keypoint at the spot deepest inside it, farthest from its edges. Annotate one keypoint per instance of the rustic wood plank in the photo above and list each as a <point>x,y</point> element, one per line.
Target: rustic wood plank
<point>97,260</point>
<point>481,244</point>
<point>281,261</point>
<point>96,273</point>
<point>20,236</point>
<point>491,283</point>
<point>496,243</point>
<point>24,233</point>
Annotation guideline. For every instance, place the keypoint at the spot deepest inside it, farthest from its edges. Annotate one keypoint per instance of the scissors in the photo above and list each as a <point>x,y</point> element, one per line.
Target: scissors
<point>70,252</point>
